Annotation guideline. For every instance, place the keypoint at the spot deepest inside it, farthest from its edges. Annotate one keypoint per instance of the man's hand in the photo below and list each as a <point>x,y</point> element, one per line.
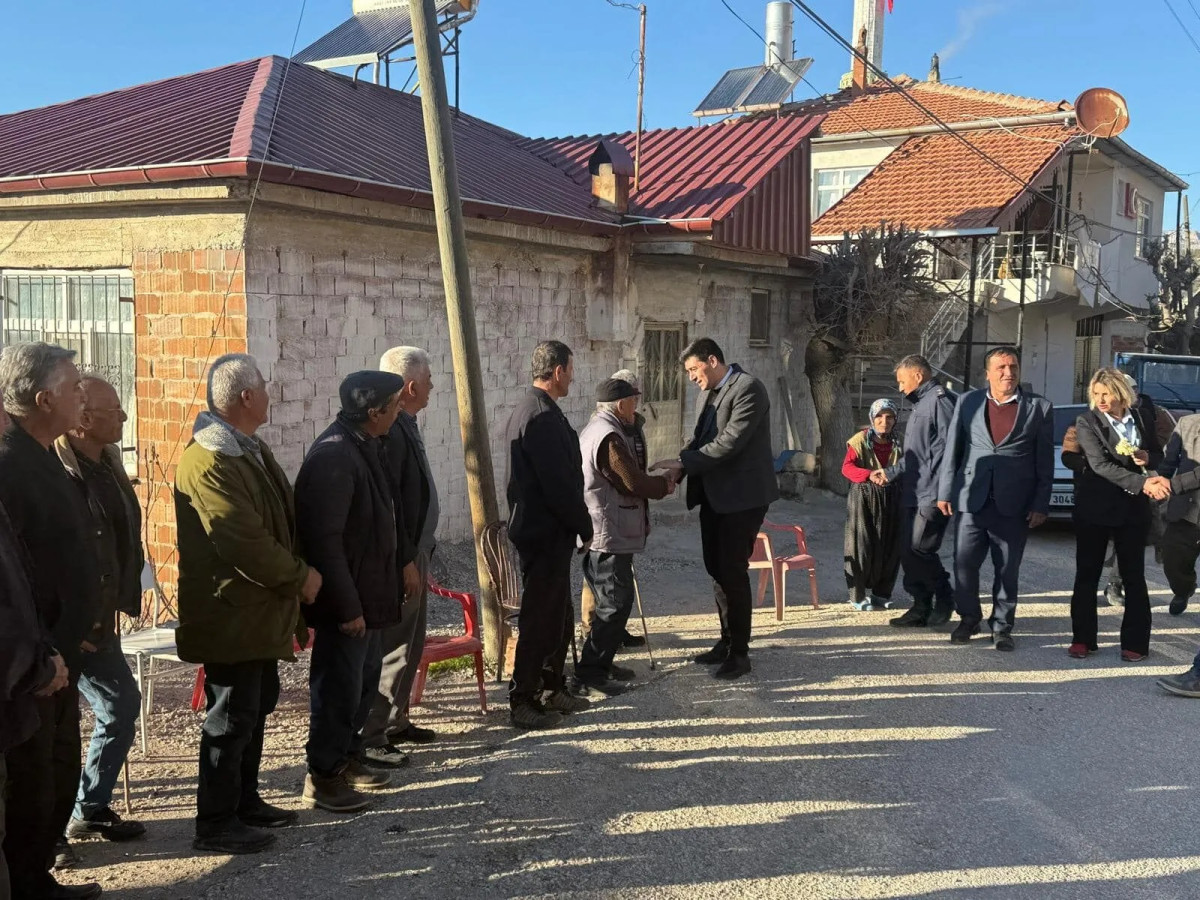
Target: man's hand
<point>672,466</point>
<point>1141,457</point>
<point>87,647</point>
<point>356,628</point>
<point>58,682</point>
<point>1036,519</point>
<point>412,580</point>
<point>879,477</point>
<point>585,546</point>
<point>670,486</point>
<point>1157,487</point>
<point>945,508</point>
<point>312,585</point>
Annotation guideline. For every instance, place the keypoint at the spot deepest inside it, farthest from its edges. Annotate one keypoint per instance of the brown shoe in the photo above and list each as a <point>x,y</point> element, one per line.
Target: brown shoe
<point>360,778</point>
<point>332,794</point>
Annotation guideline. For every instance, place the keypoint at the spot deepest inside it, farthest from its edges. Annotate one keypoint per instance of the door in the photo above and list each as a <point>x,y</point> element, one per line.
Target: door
<point>663,385</point>
<point>1087,354</point>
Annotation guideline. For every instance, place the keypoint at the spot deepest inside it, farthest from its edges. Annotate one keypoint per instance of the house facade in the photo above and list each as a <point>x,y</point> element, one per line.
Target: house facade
<point>228,212</point>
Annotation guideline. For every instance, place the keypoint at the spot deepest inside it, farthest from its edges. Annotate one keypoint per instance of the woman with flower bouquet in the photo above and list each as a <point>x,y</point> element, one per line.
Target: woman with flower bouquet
<point>1113,492</point>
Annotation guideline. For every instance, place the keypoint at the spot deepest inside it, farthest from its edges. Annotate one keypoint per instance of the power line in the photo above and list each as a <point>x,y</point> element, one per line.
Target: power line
<point>1183,27</point>
<point>1193,6</point>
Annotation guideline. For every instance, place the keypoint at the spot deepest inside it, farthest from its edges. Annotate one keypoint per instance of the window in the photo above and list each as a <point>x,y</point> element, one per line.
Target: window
<point>760,318</point>
<point>88,312</point>
<point>662,373</point>
<point>834,184</point>
<point>1143,212</point>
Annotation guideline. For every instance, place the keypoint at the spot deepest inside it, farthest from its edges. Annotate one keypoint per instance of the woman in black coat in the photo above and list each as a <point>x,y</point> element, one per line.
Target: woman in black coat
<point>1112,502</point>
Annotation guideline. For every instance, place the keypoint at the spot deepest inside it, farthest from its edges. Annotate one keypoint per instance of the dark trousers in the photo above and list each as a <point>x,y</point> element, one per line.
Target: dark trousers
<point>1091,548</point>
<point>728,541</point>
<point>343,679</point>
<point>111,691</point>
<point>43,775</point>
<point>402,645</point>
<point>5,893</point>
<point>240,697</point>
<point>1180,546</point>
<point>545,621</point>
<point>610,578</point>
<point>925,578</point>
<point>1003,537</point>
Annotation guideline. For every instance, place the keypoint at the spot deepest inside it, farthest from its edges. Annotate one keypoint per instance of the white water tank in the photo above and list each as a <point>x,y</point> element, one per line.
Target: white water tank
<point>779,32</point>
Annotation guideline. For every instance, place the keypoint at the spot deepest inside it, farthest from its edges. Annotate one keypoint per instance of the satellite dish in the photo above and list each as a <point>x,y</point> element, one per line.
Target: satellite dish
<point>1102,112</point>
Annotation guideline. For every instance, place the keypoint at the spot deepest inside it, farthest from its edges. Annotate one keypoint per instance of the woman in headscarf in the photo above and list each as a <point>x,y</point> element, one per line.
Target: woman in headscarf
<point>872,511</point>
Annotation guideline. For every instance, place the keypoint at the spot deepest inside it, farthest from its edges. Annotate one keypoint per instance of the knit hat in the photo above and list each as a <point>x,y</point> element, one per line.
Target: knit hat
<point>367,390</point>
<point>612,389</point>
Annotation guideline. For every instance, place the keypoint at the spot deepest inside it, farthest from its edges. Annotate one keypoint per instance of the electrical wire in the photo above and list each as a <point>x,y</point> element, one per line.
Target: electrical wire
<point>1183,27</point>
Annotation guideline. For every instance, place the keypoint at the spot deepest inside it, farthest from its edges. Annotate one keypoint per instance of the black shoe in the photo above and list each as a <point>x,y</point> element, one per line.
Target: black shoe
<point>913,618</point>
<point>258,813</point>
<point>389,756</point>
<point>963,633</point>
<point>633,640</point>
<point>533,716</point>
<point>1178,605</point>
<point>605,687</point>
<point>1002,640</point>
<point>413,734</point>
<point>73,891</point>
<point>737,665</point>
<point>106,825</point>
<point>621,673</point>
<point>64,856</point>
<point>718,654</point>
<point>235,839</point>
<point>939,616</point>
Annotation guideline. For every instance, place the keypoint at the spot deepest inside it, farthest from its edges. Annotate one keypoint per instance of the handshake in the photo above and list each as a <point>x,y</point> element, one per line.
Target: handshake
<point>672,470</point>
<point>1157,487</point>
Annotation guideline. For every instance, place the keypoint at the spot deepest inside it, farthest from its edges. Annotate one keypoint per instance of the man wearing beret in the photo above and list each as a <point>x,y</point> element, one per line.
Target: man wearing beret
<point>616,490</point>
<point>347,523</point>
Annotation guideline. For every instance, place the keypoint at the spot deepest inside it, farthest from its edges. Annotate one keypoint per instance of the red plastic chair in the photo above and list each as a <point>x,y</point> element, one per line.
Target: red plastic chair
<point>763,559</point>
<point>440,647</point>
<point>802,560</point>
<point>198,689</point>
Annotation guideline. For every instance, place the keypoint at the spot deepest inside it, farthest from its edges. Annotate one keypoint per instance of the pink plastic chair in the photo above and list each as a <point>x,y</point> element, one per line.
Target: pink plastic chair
<point>802,560</point>
<point>198,688</point>
<point>763,559</point>
<point>440,647</point>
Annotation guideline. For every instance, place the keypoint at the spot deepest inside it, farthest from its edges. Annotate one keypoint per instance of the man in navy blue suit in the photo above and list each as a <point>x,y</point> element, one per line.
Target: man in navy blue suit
<point>996,481</point>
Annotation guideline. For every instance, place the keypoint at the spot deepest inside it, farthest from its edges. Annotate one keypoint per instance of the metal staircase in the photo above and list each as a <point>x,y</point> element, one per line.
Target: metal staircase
<point>947,325</point>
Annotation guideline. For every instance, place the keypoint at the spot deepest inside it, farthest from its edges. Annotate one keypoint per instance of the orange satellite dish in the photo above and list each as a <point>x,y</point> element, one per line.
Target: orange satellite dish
<point>1102,112</point>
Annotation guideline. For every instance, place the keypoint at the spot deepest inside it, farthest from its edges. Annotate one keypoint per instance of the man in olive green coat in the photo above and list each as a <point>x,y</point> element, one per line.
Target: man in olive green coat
<point>241,583</point>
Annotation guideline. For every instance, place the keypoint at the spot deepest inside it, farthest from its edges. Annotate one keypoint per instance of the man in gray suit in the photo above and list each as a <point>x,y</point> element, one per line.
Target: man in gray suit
<point>732,480</point>
<point>995,480</point>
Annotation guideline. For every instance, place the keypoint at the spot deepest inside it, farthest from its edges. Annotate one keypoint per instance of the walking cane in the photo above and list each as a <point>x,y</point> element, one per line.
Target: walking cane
<point>645,631</point>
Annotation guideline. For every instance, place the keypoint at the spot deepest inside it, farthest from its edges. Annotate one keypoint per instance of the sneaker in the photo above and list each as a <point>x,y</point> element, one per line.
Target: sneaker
<point>412,734</point>
<point>104,824</point>
<point>717,654</point>
<point>964,631</point>
<point>633,640</point>
<point>1003,641</point>
<point>564,702</point>
<point>1133,656</point>
<point>1078,651</point>
<point>72,891</point>
<point>621,673</point>
<point>1115,593</point>
<point>332,793</point>
<point>863,605</point>
<point>941,615</point>
<point>878,602</point>
<point>1185,685</point>
<point>1178,604</point>
<point>605,687</point>
<point>235,839</point>
<point>361,778</point>
<point>736,666</point>
<point>64,856</point>
<point>912,618</point>
<point>386,757</point>
<point>258,813</point>
<point>533,716</point>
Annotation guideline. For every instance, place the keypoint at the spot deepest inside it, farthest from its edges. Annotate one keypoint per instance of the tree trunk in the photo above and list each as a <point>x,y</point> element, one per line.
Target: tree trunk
<point>827,367</point>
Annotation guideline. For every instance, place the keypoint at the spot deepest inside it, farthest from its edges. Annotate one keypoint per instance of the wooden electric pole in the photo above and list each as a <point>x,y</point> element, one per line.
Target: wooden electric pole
<point>460,311</point>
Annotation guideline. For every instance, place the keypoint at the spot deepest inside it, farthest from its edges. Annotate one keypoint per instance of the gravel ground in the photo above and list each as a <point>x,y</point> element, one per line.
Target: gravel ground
<point>857,761</point>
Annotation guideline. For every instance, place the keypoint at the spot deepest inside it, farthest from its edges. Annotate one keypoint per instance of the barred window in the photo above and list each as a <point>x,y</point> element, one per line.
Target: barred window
<point>760,318</point>
<point>88,312</point>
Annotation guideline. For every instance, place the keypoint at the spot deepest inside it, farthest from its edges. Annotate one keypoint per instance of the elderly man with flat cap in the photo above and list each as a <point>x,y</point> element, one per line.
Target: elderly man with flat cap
<point>347,524</point>
<point>616,490</point>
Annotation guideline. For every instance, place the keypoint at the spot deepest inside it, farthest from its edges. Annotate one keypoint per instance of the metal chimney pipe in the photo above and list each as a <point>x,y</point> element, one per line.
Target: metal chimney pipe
<point>779,32</point>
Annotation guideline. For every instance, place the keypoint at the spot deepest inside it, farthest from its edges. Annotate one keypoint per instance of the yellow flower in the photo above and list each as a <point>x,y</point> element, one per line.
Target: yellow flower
<point>1125,448</point>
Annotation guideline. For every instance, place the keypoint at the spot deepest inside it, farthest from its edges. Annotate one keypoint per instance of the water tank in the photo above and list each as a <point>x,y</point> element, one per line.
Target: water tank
<point>779,32</point>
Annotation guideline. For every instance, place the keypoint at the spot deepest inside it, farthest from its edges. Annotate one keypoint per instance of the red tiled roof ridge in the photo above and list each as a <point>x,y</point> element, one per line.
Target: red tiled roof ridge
<point>1032,103</point>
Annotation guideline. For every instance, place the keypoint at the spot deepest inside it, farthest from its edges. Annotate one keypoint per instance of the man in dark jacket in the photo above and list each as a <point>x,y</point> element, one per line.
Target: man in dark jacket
<point>40,387</point>
<point>547,522</point>
<point>347,522</point>
<point>241,582</point>
<point>92,457</point>
<point>29,665</point>
<point>731,476</point>
<point>388,724</point>
<point>925,578</point>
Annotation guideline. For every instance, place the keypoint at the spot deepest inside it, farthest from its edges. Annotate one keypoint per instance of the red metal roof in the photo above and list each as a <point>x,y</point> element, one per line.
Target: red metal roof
<point>934,182</point>
<point>329,133</point>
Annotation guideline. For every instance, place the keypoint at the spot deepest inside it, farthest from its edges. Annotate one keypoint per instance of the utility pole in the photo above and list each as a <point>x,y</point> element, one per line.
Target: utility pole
<point>970,341</point>
<point>460,311</point>
<point>637,141</point>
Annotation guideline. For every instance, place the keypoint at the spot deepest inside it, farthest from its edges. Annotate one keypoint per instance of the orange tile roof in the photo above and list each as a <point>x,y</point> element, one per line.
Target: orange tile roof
<point>933,182</point>
<point>884,107</point>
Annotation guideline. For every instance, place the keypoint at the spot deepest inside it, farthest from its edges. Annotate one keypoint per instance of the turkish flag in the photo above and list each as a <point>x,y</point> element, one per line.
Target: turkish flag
<point>891,7</point>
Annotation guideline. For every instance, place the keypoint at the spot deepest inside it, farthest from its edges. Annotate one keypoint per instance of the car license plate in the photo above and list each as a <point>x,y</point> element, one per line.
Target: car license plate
<point>1062,498</point>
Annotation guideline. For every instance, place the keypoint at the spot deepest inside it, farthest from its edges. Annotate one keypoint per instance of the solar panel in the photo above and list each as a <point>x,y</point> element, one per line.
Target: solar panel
<point>734,85</point>
<point>753,88</point>
<point>775,84</point>
<point>366,37</point>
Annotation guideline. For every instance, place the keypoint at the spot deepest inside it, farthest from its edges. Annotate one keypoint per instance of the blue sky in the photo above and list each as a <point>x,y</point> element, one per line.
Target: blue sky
<point>546,67</point>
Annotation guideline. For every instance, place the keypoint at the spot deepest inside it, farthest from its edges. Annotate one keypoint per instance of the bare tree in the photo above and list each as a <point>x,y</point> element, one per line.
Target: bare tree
<point>870,286</point>
<point>1174,310</point>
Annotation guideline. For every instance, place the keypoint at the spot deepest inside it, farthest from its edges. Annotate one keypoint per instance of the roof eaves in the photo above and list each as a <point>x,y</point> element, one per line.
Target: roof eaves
<point>1122,152</point>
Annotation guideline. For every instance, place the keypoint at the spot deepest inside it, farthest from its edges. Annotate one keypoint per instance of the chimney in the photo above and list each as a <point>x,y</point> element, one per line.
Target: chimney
<point>779,32</point>
<point>868,17</point>
<point>935,70</point>
<point>611,168</point>
<point>858,70</point>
